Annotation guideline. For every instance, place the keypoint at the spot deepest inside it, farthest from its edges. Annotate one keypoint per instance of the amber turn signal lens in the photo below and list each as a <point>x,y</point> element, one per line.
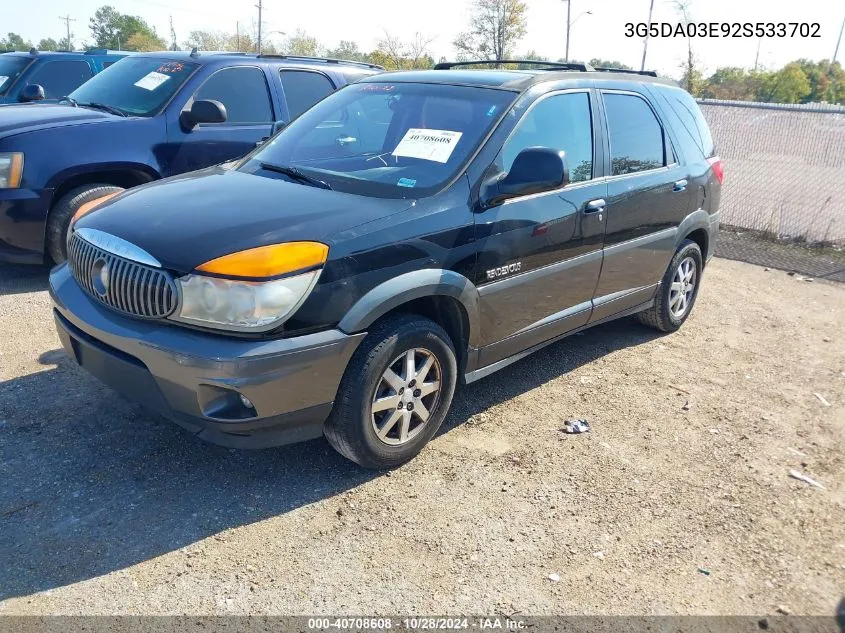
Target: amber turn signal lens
<point>268,261</point>
<point>89,206</point>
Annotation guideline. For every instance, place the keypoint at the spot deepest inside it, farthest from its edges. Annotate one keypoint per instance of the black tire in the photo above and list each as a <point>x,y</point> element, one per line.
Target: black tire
<point>60,215</point>
<point>661,316</point>
<point>349,428</point>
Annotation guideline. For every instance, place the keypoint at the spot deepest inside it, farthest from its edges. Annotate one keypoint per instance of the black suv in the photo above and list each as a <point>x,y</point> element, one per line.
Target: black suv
<point>410,232</point>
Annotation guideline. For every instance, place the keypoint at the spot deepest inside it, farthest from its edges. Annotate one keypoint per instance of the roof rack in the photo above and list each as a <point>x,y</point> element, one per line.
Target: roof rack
<point>534,62</point>
<point>627,71</point>
<point>577,66</point>
<point>325,60</point>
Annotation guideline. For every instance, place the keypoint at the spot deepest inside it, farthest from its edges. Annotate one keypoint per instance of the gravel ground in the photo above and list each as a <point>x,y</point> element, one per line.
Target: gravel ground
<point>678,501</point>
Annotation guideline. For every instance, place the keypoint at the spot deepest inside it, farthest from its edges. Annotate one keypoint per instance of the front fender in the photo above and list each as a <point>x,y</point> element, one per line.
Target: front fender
<point>418,284</point>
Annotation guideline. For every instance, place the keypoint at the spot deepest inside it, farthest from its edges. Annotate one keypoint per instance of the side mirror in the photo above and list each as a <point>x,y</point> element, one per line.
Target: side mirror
<point>203,111</point>
<point>31,92</point>
<point>534,170</point>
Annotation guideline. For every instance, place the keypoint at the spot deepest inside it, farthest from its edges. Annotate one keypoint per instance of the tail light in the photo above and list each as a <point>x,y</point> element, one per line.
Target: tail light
<point>718,168</point>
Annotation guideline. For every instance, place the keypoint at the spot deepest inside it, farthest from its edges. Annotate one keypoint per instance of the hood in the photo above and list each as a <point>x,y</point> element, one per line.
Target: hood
<point>188,220</point>
<point>16,119</point>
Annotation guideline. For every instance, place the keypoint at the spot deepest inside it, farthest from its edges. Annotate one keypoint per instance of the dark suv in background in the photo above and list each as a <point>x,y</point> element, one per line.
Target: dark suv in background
<point>57,73</point>
<point>409,232</point>
<point>148,116</point>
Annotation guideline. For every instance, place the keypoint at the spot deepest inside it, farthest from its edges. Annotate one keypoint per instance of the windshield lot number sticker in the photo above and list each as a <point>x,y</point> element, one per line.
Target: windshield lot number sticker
<point>152,81</point>
<point>434,145</point>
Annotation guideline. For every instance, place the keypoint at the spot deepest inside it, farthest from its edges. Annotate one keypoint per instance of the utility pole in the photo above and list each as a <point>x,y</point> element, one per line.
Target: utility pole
<point>173,45</point>
<point>757,56</point>
<point>839,41</point>
<point>645,41</point>
<point>259,6</point>
<point>67,20</point>
<point>568,26</point>
<point>238,35</point>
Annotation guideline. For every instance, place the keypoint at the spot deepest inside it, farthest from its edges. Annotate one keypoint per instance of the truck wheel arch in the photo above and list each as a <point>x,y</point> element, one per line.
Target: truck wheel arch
<point>409,287</point>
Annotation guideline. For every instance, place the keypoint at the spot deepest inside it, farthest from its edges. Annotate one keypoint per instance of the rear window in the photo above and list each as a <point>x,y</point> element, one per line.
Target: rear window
<point>687,110</point>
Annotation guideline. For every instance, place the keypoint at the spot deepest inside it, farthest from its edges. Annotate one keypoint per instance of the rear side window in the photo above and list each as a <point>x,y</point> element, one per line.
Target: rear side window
<point>692,119</point>
<point>560,122</point>
<point>60,78</point>
<point>636,137</point>
<point>303,89</point>
<point>243,90</point>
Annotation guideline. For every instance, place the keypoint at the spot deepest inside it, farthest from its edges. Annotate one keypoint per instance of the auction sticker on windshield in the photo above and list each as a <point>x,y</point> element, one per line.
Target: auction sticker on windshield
<point>152,80</point>
<point>434,145</point>
<point>3,80</point>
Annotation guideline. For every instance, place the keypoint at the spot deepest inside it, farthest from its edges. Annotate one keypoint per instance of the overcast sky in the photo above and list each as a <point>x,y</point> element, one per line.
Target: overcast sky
<point>600,34</point>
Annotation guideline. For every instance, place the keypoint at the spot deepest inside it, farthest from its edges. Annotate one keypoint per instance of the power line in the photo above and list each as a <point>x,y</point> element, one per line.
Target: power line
<point>67,20</point>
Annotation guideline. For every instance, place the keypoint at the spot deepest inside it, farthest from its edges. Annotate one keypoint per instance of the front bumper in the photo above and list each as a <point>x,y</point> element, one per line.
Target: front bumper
<point>23,218</point>
<point>196,379</point>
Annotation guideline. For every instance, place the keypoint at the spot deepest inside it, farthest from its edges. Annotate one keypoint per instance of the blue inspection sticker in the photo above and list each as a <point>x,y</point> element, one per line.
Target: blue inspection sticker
<point>407,182</point>
<point>491,111</point>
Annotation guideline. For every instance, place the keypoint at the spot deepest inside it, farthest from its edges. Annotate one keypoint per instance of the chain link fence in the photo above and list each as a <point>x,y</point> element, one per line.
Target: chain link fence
<point>784,184</point>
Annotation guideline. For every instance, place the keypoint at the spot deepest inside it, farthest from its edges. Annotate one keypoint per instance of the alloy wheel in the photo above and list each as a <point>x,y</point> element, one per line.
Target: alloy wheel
<point>683,287</point>
<point>406,396</point>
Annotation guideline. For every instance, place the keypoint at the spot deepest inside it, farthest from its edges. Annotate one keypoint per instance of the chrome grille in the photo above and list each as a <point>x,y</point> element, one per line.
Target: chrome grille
<point>127,286</point>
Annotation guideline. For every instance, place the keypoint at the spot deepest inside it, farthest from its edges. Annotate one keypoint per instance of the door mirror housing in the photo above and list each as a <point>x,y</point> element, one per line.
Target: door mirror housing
<point>31,92</point>
<point>203,111</point>
<point>534,170</point>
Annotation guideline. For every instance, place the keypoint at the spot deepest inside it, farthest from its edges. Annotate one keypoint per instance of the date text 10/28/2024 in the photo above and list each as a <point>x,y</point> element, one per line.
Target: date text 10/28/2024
<point>722,29</point>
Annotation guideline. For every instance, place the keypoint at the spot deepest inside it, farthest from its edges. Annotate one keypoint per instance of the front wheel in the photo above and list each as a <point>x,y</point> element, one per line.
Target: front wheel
<point>678,290</point>
<point>58,222</point>
<point>394,394</point>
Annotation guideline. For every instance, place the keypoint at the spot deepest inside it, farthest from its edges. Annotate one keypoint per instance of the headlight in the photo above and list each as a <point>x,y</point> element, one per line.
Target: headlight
<point>243,291</point>
<point>242,305</point>
<point>11,170</point>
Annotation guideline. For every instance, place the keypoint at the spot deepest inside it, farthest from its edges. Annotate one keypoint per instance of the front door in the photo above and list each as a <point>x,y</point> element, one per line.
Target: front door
<point>647,196</point>
<point>540,255</point>
<point>249,119</point>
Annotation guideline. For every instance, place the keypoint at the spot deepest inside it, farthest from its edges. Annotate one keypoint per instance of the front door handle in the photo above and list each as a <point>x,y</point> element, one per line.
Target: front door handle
<point>595,206</point>
<point>680,185</point>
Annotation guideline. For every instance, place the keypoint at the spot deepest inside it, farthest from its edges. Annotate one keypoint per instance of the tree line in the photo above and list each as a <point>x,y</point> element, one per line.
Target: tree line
<point>494,31</point>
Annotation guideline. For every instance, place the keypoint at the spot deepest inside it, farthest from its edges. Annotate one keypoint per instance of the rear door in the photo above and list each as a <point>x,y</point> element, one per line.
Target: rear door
<point>540,255</point>
<point>243,90</point>
<point>647,194</point>
<point>60,77</point>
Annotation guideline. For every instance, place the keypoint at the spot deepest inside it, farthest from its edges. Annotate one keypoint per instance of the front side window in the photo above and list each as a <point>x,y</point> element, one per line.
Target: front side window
<point>636,137</point>
<point>560,122</point>
<point>303,89</point>
<point>392,140</point>
<point>11,67</point>
<point>136,86</point>
<point>60,78</point>
<point>243,91</point>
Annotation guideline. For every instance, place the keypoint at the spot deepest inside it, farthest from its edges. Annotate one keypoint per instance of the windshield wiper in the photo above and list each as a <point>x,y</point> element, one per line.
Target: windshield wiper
<point>103,106</point>
<point>70,100</point>
<point>294,173</point>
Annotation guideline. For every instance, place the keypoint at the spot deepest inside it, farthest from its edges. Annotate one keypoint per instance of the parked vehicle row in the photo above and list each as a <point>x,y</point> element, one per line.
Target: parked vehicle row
<point>407,233</point>
<point>147,117</point>
<point>36,75</point>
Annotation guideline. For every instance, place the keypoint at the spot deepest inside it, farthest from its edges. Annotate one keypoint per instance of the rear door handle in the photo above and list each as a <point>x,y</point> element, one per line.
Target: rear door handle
<point>595,206</point>
<point>680,185</point>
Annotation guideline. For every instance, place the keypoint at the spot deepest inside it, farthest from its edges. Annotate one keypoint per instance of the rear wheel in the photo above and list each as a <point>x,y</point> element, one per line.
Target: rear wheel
<point>394,394</point>
<point>62,212</point>
<point>678,290</point>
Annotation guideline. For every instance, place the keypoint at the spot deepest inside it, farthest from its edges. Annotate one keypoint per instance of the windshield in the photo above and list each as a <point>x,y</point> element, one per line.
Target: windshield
<point>391,140</point>
<point>11,67</point>
<point>137,86</point>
